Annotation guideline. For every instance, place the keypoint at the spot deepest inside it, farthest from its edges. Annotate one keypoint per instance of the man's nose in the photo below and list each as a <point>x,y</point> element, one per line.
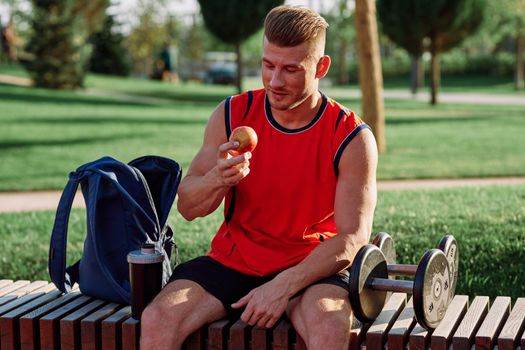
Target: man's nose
<point>277,79</point>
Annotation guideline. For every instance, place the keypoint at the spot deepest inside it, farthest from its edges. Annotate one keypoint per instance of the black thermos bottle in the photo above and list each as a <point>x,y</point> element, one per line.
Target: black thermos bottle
<point>145,272</point>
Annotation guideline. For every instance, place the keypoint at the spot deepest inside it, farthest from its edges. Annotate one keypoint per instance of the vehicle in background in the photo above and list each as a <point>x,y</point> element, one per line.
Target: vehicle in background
<point>221,68</point>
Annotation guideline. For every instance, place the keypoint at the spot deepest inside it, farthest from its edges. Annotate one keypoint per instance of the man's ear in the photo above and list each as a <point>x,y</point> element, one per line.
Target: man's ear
<point>322,66</point>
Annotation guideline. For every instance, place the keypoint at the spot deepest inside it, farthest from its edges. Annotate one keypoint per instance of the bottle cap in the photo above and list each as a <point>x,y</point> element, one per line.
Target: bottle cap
<point>146,255</point>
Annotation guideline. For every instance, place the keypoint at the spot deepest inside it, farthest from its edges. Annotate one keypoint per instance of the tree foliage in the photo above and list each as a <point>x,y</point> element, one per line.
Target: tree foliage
<point>433,25</point>
<point>58,48</point>
<point>152,30</point>
<point>340,38</point>
<point>401,21</point>
<point>234,21</point>
<point>109,54</point>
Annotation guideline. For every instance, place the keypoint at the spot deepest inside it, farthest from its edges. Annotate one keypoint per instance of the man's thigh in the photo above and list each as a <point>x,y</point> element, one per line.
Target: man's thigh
<point>188,303</point>
<point>225,284</point>
<point>318,302</point>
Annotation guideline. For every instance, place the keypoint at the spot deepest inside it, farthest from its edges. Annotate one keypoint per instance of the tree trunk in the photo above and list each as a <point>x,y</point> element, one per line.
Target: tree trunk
<point>370,74</point>
<point>435,76</point>
<point>238,81</point>
<point>520,49</point>
<point>417,73</point>
<point>343,70</point>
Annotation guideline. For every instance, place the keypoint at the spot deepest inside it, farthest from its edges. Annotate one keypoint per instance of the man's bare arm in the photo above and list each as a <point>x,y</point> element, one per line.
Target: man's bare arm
<point>212,172</point>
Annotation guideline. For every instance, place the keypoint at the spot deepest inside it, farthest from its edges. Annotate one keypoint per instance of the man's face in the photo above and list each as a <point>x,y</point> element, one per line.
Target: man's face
<point>289,74</point>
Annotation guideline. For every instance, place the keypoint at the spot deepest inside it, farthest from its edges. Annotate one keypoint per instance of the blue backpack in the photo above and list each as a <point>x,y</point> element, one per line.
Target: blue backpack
<point>127,205</point>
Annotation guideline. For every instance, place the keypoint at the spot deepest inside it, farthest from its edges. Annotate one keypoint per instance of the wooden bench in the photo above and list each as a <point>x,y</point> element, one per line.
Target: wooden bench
<point>34,315</point>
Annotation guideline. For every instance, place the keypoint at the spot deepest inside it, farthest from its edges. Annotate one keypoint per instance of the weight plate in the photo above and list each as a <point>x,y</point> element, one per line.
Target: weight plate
<point>367,303</point>
<point>431,289</point>
<point>449,246</point>
<point>384,242</point>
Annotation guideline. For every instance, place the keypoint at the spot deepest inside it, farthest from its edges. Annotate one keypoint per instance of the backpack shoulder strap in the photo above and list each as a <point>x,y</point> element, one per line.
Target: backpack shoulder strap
<point>57,248</point>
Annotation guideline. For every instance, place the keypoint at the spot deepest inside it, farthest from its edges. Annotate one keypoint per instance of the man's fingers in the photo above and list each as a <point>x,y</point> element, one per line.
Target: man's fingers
<point>225,147</point>
<point>242,301</point>
<point>271,322</point>
<point>263,321</point>
<point>233,161</point>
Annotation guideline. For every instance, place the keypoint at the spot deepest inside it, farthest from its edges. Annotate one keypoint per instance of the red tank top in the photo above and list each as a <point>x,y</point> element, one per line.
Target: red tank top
<point>285,207</point>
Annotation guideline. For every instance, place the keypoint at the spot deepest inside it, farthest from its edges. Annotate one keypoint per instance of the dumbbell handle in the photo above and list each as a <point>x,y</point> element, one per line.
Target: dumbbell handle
<point>401,270</point>
<point>385,284</point>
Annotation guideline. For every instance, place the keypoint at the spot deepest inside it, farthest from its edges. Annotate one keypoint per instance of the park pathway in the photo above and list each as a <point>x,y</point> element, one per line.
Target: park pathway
<point>393,94</point>
<point>48,200</point>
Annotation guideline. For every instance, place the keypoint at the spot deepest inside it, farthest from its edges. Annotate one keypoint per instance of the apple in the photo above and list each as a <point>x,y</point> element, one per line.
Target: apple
<point>246,137</point>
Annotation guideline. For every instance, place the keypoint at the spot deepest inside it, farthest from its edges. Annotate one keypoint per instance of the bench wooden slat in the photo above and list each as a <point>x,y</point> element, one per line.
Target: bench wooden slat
<point>22,291</point>
<point>282,335</point>
<point>378,331</point>
<point>130,334</point>
<point>90,327</point>
<point>299,343</point>
<point>442,336</point>
<point>217,334</point>
<point>419,338</point>
<point>508,338</point>
<point>405,322</point>
<point>49,324</point>
<point>70,325</point>
<point>29,331</point>
<point>111,329</point>
<point>490,328</point>
<point>9,325</point>
<point>357,334</point>
<point>464,336</point>
<point>261,338</point>
<point>523,341</point>
<point>26,298</point>
<point>239,336</point>
<point>10,288</point>
<point>196,340</point>
<point>4,283</point>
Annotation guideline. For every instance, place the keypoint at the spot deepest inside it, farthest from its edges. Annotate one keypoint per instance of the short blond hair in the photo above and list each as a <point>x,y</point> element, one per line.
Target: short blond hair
<point>293,25</point>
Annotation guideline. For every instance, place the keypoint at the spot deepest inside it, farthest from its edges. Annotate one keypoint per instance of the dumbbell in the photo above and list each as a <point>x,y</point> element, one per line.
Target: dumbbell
<point>369,285</point>
<point>447,244</point>
<point>385,242</point>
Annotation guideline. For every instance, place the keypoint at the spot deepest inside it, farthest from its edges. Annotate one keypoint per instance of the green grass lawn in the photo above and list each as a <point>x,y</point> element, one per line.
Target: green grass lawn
<point>487,222</point>
<point>492,84</point>
<point>45,134</point>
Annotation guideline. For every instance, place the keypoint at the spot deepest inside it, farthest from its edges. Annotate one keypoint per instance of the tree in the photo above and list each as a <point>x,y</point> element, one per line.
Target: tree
<point>58,44</point>
<point>341,35</point>
<point>109,54</point>
<point>148,35</point>
<point>508,20</point>
<point>370,75</point>
<point>439,25</point>
<point>401,22</point>
<point>234,21</point>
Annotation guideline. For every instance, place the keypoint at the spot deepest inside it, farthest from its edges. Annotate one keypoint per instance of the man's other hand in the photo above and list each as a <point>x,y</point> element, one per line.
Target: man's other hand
<point>264,305</point>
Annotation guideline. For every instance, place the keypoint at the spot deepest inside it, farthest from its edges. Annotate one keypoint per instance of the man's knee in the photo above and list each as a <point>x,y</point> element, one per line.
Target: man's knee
<point>329,331</point>
<point>324,317</point>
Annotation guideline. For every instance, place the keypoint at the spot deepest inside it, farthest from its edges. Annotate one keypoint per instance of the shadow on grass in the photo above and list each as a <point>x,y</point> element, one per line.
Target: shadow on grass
<point>87,120</point>
<point>31,95</point>
<point>180,96</point>
<point>38,95</point>
<point>5,145</point>
<point>434,120</point>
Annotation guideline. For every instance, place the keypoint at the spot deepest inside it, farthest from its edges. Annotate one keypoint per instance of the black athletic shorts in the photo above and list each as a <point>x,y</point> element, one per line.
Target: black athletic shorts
<point>228,285</point>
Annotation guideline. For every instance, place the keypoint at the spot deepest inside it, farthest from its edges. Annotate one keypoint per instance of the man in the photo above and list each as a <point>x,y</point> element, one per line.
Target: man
<point>297,208</point>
